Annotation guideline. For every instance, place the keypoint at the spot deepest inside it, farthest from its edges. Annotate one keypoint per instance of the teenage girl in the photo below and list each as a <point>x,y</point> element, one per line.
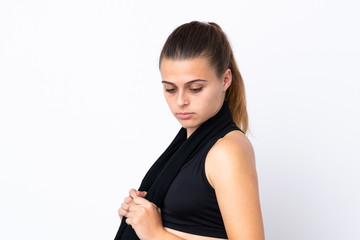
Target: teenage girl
<point>199,73</point>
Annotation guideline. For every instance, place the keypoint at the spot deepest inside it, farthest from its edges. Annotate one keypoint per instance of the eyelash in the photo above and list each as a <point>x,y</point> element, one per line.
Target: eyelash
<point>192,89</point>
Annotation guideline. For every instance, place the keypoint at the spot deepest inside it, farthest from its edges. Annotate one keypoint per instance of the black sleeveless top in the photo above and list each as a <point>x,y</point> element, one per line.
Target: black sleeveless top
<point>190,204</point>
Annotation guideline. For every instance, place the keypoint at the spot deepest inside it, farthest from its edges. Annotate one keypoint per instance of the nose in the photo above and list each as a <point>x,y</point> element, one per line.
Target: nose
<point>182,99</point>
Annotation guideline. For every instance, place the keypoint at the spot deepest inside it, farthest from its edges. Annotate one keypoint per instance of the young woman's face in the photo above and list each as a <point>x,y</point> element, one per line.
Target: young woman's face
<point>192,90</point>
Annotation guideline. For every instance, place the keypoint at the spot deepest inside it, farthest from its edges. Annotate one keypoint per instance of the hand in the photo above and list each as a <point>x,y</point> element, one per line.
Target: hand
<point>123,210</point>
<point>145,218</point>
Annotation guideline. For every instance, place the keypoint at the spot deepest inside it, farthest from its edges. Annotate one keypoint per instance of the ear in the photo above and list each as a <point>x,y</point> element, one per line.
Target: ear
<point>227,79</point>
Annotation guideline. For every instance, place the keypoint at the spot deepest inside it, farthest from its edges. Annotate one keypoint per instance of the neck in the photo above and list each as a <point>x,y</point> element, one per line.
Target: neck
<point>189,131</point>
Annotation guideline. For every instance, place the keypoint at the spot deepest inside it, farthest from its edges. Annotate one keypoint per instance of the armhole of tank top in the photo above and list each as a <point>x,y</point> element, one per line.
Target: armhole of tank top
<point>203,172</point>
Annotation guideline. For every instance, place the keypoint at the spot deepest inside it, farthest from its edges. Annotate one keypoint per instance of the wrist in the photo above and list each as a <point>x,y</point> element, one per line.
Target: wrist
<point>162,234</point>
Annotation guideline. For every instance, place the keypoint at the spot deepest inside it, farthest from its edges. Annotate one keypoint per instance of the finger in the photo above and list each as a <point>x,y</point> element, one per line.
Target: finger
<point>128,221</point>
<point>125,206</point>
<point>130,215</point>
<point>141,201</point>
<point>141,193</point>
<point>128,199</point>
<point>133,208</point>
<point>122,213</point>
<point>132,192</point>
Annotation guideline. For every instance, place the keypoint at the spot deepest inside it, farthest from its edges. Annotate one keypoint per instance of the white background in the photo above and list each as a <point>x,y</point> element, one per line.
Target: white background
<point>82,114</point>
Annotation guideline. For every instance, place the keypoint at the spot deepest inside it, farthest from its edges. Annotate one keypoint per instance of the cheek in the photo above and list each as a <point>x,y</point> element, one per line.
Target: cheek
<point>212,96</point>
<point>210,101</point>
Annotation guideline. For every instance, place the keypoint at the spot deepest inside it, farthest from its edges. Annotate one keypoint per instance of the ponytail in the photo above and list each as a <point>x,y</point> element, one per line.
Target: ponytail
<point>236,97</point>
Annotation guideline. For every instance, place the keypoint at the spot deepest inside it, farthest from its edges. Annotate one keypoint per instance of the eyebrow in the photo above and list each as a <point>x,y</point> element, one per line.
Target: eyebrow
<point>187,83</point>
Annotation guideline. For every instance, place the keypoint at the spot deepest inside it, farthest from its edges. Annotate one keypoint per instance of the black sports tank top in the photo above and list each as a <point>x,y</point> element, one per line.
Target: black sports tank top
<point>190,205</point>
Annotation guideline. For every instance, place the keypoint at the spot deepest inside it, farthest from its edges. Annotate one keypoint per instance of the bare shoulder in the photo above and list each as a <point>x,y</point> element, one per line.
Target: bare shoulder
<point>233,152</point>
<point>230,170</point>
<point>235,146</point>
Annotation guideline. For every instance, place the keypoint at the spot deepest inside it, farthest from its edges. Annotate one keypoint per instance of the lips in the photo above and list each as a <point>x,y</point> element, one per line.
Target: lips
<point>185,115</point>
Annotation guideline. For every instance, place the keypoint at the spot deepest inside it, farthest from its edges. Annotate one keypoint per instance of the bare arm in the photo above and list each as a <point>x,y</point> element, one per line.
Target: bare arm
<point>230,168</point>
<point>167,235</point>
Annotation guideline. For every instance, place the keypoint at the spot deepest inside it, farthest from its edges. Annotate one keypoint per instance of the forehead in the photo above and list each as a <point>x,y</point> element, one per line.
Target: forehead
<point>181,71</point>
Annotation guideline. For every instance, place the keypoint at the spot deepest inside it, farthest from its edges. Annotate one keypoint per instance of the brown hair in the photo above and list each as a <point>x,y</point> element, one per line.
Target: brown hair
<point>202,39</point>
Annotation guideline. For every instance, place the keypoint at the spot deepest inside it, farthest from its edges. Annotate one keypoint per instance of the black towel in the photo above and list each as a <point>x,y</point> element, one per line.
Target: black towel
<point>159,177</point>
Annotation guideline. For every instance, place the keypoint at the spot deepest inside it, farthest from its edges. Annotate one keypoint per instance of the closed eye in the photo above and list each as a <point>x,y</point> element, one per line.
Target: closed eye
<point>196,89</point>
<point>170,90</point>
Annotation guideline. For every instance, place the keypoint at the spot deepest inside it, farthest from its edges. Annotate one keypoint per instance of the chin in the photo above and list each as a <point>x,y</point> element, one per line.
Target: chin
<point>185,123</point>
<point>189,124</point>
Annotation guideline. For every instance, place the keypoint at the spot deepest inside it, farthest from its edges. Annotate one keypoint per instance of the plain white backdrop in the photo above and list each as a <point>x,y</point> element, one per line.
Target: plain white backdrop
<point>82,113</point>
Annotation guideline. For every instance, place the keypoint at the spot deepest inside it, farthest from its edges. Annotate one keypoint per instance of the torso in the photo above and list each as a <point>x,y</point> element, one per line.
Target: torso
<point>232,135</point>
<point>189,236</point>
